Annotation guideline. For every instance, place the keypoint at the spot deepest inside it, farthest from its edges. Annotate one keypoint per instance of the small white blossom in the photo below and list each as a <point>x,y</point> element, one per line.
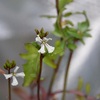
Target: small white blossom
<point>14,75</point>
<point>44,45</point>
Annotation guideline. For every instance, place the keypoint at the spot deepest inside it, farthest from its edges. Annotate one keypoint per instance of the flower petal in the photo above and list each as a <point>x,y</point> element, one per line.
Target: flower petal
<point>16,69</point>
<point>20,74</point>
<point>14,81</point>
<point>7,75</point>
<point>49,48</point>
<point>47,39</point>
<point>38,39</point>
<point>42,49</point>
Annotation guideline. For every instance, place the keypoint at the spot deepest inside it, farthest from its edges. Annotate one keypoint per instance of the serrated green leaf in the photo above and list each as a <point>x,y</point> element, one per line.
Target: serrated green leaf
<point>30,70</point>
<point>88,88</point>
<point>35,45</point>
<point>30,48</point>
<point>32,64</point>
<point>57,51</point>
<point>63,3</point>
<point>47,60</point>
<point>72,46</point>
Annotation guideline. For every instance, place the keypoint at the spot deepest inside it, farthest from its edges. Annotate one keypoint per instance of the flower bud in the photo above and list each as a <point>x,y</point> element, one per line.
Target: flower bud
<point>9,65</point>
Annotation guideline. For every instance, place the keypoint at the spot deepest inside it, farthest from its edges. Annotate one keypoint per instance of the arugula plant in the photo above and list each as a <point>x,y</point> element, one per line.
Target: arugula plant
<point>40,51</point>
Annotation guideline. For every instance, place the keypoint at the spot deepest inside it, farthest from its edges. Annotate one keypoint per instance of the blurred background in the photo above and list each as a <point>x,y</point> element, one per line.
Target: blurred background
<point>19,18</point>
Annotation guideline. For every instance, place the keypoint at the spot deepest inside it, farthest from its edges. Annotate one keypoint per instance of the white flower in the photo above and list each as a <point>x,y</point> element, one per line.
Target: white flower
<point>14,75</point>
<point>44,45</point>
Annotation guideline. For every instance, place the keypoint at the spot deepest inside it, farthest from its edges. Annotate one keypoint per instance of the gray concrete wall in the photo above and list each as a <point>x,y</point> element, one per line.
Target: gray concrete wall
<point>19,18</point>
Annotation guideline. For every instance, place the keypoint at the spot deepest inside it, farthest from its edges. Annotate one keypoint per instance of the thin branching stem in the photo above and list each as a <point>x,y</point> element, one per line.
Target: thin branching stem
<point>39,77</point>
<point>54,75</point>
<point>57,7</point>
<point>58,14</point>
<point>66,75</point>
<point>78,93</point>
<point>9,86</point>
<point>60,57</point>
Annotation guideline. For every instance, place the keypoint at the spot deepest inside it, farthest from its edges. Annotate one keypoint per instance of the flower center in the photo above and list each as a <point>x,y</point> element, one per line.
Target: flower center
<point>14,74</point>
<point>44,41</point>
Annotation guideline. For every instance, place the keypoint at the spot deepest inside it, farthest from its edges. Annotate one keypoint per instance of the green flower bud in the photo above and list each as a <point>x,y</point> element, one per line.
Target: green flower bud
<point>41,33</point>
<point>9,65</point>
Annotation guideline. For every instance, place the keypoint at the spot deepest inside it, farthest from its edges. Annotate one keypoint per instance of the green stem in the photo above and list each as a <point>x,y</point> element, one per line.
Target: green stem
<point>54,75</point>
<point>39,77</point>
<point>57,6</point>
<point>58,14</point>
<point>9,86</point>
<point>60,58</point>
<point>66,75</point>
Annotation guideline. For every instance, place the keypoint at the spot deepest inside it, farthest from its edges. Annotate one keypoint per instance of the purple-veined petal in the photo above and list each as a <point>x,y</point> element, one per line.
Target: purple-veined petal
<point>49,48</point>
<point>7,75</point>
<point>14,81</point>
<point>42,49</point>
<point>16,69</point>
<point>20,74</point>
<point>38,39</point>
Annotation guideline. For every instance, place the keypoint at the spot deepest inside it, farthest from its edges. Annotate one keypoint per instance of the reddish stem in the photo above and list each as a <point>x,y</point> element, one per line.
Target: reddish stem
<point>39,77</point>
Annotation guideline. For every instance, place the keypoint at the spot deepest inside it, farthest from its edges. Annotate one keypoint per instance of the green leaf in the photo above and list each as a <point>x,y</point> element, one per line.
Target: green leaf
<point>57,30</point>
<point>87,35</point>
<point>83,26</point>
<point>79,88</point>
<point>73,32</point>
<point>47,60</point>
<point>63,3</point>
<point>48,16</point>
<point>72,46</point>
<point>80,84</point>
<point>31,47</point>
<point>82,41</point>
<point>59,50</point>
<point>35,45</point>
<point>67,22</point>
<point>67,14</point>
<point>88,88</point>
<point>65,33</point>
<point>31,66</point>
